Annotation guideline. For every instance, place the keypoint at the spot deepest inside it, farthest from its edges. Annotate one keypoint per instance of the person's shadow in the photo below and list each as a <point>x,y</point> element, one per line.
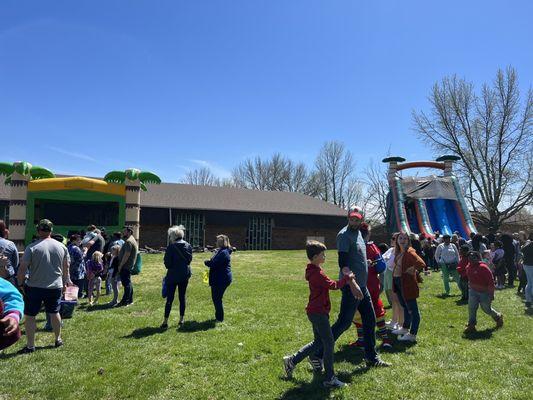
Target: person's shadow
<point>314,389</point>
<point>485,334</point>
<point>140,333</point>
<point>194,326</point>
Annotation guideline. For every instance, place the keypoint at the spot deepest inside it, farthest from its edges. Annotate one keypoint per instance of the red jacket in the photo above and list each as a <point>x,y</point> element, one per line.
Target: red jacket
<point>319,287</point>
<point>461,267</point>
<point>480,277</point>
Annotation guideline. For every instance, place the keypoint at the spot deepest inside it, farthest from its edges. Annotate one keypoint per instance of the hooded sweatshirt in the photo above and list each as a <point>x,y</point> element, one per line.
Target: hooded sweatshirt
<point>319,287</point>
<point>480,277</point>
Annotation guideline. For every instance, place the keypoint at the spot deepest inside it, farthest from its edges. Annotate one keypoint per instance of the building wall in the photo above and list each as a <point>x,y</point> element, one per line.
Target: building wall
<point>295,238</point>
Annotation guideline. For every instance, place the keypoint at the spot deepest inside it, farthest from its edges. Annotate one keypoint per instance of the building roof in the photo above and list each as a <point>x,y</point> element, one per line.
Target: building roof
<point>193,197</point>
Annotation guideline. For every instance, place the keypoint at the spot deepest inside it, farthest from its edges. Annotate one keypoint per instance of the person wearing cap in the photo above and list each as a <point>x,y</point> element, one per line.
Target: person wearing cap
<point>447,256</point>
<point>351,249</point>
<point>47,262</point>
<point>127,256</point>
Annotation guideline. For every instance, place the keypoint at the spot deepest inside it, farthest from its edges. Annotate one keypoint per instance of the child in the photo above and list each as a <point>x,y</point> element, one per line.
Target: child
<point>113,273</point>
<point>11,311</point>
<point>498,264</point>
<point>461,270</point>
<point>318,309</point>
<point>481,283</point>
<point>95,268</point>
<point>376,265</point>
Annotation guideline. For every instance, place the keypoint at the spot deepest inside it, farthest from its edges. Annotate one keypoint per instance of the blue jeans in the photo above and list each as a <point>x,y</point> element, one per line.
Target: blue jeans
<point>217,293</point>
<point>477,299</point>
<point>411,315</point>
<point>125,279</point>
<point>349,304</point>
<point>528,270</point>
<point>323,335</point>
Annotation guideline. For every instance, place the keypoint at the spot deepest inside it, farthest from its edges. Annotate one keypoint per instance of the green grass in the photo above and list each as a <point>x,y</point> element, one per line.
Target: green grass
<point>265,320</point>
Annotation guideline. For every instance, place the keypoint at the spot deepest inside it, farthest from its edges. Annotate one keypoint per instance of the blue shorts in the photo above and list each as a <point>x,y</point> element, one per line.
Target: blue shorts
<point>36,296</point>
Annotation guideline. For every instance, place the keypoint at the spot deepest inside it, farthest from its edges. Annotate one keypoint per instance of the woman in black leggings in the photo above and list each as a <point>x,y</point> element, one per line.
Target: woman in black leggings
<point>178,257</point>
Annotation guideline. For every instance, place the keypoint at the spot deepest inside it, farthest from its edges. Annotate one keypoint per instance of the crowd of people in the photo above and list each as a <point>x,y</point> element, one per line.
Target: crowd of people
<point>48,267</point>
<point>478,267</point>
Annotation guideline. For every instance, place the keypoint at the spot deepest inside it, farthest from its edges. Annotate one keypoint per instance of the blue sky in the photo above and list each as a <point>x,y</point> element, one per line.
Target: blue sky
<point>91,86</point>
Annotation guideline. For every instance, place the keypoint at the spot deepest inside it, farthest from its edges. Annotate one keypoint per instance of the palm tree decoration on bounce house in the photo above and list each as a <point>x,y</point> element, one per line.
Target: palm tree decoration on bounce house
<point>135,181</point>
<point>18,175</point>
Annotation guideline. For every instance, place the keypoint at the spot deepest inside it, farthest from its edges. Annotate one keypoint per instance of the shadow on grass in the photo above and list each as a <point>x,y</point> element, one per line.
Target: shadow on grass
<point>446,296</point>
<point>461,302</point>
<point>485,334</point>
<point>144,332</point>
<point>529,311</point>
<point>314,389</point>
<point>4,356</point>
<point>194,326</point>
<point>95,307</point>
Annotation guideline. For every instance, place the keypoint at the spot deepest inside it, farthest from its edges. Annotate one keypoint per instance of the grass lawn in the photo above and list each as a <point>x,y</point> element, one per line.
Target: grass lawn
<point>121,353</point>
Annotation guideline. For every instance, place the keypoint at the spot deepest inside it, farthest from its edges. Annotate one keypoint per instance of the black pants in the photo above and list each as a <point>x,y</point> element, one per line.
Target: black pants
<point>511,271</point>
<point>79,283</point>
<point>463,283</point>
<point>171,292</point>
<point>217,293</point>
<point>125,279</point>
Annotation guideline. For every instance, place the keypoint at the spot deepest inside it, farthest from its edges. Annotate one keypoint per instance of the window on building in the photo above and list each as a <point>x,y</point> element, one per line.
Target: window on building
<point>194,227</point>
<point>260,233</point>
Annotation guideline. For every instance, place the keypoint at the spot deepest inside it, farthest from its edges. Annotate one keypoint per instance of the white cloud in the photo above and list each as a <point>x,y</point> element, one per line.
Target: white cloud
<point>216,169</point>
<point>72,154</point>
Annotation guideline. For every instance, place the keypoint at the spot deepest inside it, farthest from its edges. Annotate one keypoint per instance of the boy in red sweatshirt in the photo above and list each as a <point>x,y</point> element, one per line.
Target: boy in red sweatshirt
<point>318,309</point>
<point>481,293</point>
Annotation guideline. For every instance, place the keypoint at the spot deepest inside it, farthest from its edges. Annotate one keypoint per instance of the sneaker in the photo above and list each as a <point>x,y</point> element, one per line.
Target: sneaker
<point>58,343</point>
<point>470,329</point>
<point>289,366</point>
<point>391,325</point>
<point>499,321</point>
<point>357,343</point>
<point>112,304</point>
<point>26,350</point>
<point>316,363</point>
<point>408,337</point>
<point>181,322</point>
<point>386,344</point>
<point>334,383</point>
<point>377,363</point>
<point>400,331</point>
<point>164,326</point>
<point>528,304</point>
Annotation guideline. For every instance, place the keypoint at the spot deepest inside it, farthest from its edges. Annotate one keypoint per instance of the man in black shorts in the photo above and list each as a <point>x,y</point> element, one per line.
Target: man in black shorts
<point>47,263</point>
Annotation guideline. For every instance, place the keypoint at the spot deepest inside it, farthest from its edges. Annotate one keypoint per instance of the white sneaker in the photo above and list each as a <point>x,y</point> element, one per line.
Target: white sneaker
<point>390,325</point>
<point>400,331</point>
<point>289,366</point>
<point>407,338</point>
<point>334,383</point>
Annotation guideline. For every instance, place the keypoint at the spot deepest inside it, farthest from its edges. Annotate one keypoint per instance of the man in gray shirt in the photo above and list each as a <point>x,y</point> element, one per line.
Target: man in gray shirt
<point>352,257</point>
<point>47,263</point>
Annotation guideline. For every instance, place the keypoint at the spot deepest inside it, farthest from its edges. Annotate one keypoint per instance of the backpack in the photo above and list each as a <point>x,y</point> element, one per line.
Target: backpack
<point>137,267</point>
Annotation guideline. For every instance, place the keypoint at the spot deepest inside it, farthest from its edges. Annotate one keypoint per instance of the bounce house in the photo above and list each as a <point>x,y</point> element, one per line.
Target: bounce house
<point>72,203</point>
<point>426,204</point>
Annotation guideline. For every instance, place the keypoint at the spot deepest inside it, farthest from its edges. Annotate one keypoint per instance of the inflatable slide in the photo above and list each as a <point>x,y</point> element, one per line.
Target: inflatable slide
<point>426,204</point>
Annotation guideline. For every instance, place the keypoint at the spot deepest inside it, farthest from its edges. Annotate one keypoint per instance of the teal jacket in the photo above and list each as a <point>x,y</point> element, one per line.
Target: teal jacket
<point>12,299</point>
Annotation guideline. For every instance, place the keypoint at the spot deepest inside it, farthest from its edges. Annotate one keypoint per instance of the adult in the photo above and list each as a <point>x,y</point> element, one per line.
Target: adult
<point>352,257</point>
<point>8,250</point>
<point>95,244</point>
<point>77,263</point>
<point>509,258</point>
<point>396,321</point>
<point>476,244</point>
<point>127,256</point>
<point>447,256</point>
<point>110,282</point>
<point>407,266</point>
<point>178,257</point>
<point>527,253</point>
<point>220,276</point>
<point>47,263</point>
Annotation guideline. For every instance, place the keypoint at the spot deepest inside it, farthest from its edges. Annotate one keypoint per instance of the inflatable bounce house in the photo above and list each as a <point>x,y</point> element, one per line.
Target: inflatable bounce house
<point>72,203</point>
<point>426,204</point>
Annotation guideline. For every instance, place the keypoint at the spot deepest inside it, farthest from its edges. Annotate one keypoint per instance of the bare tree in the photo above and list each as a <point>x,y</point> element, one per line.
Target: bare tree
<point>202,176</point>
<point>377,188</point>
<point>493,135</point>
<point>278,173</point>
<point>334,167</point>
